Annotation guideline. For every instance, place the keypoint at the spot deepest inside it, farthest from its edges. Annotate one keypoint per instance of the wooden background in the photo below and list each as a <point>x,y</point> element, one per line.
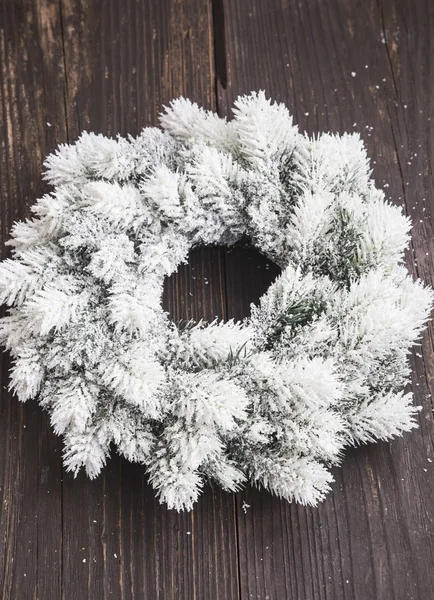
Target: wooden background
<point>108,66</point>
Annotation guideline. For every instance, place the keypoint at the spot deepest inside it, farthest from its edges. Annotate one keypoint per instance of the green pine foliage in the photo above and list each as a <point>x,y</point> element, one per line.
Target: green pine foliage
<point>273,400</point>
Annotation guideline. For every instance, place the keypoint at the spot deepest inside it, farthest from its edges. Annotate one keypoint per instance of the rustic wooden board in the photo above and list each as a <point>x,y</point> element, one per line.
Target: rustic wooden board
<point>144,54</point>
<point>345,66</point>
<point>31,94</point>
<point>108,66</point>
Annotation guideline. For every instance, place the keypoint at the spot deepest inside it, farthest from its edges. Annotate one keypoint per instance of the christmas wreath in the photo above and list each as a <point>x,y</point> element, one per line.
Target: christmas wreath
<point>319,365</point>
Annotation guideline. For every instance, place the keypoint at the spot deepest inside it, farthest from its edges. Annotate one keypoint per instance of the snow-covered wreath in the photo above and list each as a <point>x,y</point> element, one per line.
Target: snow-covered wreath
<point>274,400</point>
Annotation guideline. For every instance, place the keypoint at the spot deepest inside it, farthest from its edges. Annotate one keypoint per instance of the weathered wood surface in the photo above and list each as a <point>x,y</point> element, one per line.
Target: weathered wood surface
<point>108,66</point>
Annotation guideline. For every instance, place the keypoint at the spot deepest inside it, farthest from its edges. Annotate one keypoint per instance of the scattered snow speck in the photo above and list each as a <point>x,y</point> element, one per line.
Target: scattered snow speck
<point>353,73</point>
<point>245,506</point>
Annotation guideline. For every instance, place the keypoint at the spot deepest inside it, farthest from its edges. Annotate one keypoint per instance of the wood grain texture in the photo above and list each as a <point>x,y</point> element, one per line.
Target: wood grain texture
<point>122,64</point>
<point>367,67</point>
<point>32,120</point>
<point>108,66</point>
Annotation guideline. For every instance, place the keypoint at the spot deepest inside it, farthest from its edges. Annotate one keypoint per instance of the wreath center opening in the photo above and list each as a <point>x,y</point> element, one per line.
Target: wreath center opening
<point>218,282</point>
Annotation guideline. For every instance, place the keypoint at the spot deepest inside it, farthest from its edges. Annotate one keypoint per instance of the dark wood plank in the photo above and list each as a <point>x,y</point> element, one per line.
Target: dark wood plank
<point>248,276</point>
<point>122,64</point>
<point>373,537</point>
<point>32,121</point>
<point>105,66</point>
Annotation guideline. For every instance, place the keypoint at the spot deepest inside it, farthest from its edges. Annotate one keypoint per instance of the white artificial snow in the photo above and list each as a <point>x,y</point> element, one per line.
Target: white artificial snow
<point>273,400</point>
